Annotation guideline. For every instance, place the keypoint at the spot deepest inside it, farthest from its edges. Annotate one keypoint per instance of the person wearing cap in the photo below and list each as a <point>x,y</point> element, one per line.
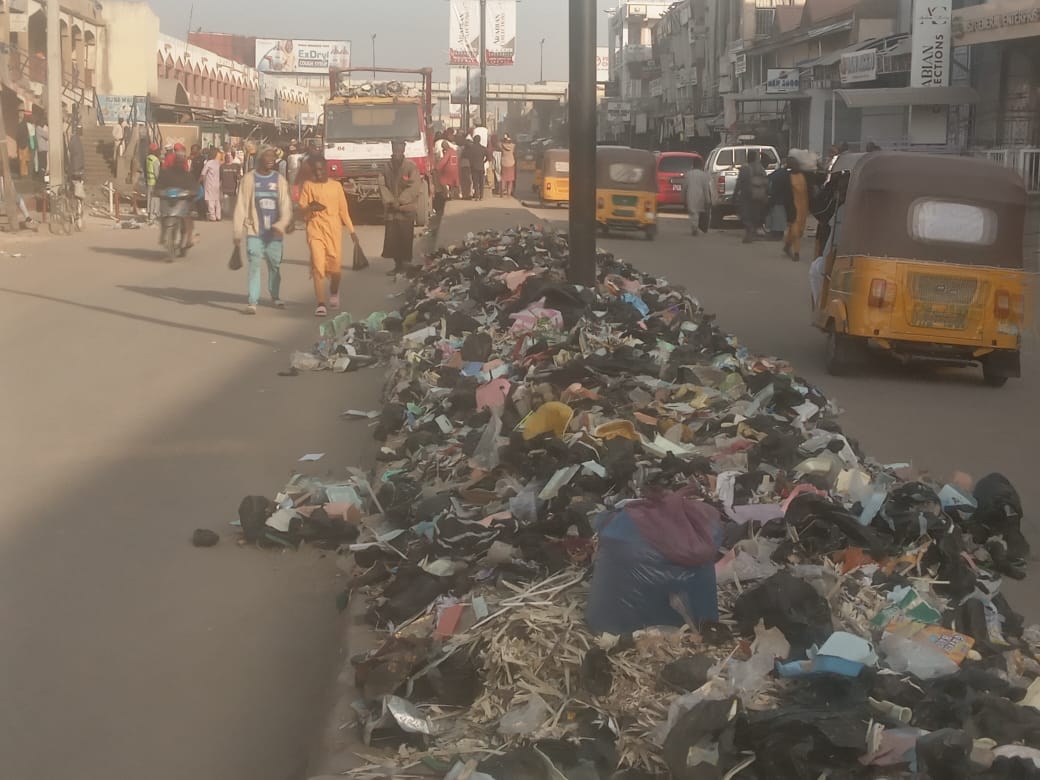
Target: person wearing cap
<point>262,215</point>
<point>152,164</point>
<point>179,177</point>
<point>400,189</point>
<point>324,205</point>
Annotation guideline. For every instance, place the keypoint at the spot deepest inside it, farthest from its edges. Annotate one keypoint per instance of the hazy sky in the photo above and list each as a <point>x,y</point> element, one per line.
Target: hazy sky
<point>409,33</point>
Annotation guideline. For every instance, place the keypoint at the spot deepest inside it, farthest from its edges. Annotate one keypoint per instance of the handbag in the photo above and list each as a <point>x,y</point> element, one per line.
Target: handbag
<point>360,262</point>
<point>235,261</point>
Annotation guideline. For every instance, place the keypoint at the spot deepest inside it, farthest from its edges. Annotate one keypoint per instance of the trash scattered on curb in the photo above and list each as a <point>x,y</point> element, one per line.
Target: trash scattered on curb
<point>605,540</point>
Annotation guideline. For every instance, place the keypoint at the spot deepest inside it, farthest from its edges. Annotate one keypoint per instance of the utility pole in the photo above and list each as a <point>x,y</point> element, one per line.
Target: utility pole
<point>541,64</point>
<point>483,64</point>
<point>373,55</point>
<point>466,108</point>
<point>55,116</point>
<point>581,122</point>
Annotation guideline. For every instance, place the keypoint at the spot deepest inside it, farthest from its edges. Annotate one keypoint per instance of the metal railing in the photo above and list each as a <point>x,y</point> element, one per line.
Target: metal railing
<point>1024,160</point>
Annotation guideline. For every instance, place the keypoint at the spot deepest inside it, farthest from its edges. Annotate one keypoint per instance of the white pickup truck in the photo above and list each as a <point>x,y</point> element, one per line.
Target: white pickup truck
<point>723,165</point>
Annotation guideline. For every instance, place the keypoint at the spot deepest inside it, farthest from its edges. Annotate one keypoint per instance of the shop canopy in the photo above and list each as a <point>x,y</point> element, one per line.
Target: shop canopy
<point>908,96</point>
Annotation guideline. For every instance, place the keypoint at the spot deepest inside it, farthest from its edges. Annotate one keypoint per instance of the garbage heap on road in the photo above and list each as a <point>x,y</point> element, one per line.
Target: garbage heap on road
<point>606,541</point>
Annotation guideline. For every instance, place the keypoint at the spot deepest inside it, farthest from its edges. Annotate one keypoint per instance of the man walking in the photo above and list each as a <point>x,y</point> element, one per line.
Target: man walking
<point>400,190</point>
<point>698,197</point>
<point>324,206</point>
<point>262,213</point>
<point>752,193</point>
<point>211,186</point>
<point>478,159</point>
<point>797,207</point>
<point>465,172</point>
<point>152,164</point>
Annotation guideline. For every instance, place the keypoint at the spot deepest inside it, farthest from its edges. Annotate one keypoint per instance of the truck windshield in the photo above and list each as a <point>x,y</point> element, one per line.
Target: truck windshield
<point>372,123</point>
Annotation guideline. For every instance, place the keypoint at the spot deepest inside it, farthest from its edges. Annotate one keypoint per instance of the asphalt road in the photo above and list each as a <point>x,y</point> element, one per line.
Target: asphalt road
<point>939,420</point>
<point>139,404</point>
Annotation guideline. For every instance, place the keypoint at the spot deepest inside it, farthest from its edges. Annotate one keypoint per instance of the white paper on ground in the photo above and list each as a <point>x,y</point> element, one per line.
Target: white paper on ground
<point>312,456</point>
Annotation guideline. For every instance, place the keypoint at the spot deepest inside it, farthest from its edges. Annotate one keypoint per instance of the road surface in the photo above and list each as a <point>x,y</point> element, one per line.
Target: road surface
<point>139,404</point>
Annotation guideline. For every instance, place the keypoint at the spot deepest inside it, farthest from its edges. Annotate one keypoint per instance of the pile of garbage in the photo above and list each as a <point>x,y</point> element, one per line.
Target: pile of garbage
<point>606,541</point>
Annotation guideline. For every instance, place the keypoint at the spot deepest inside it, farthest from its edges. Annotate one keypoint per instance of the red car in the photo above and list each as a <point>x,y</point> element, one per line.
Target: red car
<point>671,166</point>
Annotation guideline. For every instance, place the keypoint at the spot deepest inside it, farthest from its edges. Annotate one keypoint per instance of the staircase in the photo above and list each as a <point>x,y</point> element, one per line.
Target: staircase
<point>98,150</point>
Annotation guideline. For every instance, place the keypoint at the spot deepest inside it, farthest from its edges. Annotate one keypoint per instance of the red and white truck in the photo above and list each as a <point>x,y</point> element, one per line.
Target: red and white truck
<point>363,116</point>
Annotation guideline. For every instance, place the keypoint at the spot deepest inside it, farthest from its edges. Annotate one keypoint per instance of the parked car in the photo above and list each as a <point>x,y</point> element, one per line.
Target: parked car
<point>723,165</point>
<point>671,167</point>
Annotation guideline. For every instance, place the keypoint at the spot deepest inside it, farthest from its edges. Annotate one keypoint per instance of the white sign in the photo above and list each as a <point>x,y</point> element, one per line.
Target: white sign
<point>457,82</point>
<point>618,111</point>
<point>296,56</point>
<point>782,80</point>
<point>741,64</point>
<point>308,119</point>
<point>930,43</point>
<point>501,32</point>
<point>18,22</point>
<point>858,66</point>
<point>602,65</point>
<point>464,40</point>
<point>656,87</point>
<point>997,20</point>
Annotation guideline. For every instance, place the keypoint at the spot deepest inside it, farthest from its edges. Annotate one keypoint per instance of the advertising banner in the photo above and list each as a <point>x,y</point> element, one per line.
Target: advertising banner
<point>858,66</point>
<point>299,56</point>
<point>501,32</point>
<point>782,80</point>
<point>464,34</point>
<point>930,35</point>
<point>602,65</point>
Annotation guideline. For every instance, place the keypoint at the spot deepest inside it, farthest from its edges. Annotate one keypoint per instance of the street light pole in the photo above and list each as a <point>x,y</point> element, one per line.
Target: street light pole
<point>373,55</point>
<point>541,64</point>
<point>483,64</point>
<point>55,116</point>
<point>581,122</point>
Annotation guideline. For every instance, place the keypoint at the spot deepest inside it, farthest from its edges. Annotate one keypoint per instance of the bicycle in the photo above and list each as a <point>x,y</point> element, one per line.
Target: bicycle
<point>61,212</point>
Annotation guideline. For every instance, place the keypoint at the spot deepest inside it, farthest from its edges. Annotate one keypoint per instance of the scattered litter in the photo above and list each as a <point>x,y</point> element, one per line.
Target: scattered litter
<point>312,456</point>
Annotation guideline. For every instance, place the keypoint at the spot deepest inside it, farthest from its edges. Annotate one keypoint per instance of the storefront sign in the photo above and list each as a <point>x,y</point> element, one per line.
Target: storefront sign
<point>131,109</point>
<point>740,64</point>
<point>996,21</point>
<point>858,66</point>
<point>618,111</point>
<point>656,87</point>
<point>782,80</point>
<point>930,36</point>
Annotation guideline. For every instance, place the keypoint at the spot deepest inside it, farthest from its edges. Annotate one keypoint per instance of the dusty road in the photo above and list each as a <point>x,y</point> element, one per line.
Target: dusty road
<point>140,404</point>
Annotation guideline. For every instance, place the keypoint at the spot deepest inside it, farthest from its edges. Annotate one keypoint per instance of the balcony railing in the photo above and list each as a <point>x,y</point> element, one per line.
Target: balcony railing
<point>638,53</point>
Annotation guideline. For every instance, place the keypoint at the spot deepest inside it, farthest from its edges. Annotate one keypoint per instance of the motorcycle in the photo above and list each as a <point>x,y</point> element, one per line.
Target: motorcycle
<point>174,214</point>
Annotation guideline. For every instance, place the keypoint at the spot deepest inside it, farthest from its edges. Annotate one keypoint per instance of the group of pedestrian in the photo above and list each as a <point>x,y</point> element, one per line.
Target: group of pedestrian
<point>466,166</point>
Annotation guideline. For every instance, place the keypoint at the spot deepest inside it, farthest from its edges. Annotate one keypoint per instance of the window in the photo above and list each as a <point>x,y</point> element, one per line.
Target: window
<point>725,159</point>
<point>674,164</point>
<point>952,223</point>
<point>626,173</point>
<point>372,123</point>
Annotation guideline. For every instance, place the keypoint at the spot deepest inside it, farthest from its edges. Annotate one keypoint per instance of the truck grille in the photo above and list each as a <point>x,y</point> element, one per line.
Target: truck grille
<point>359,169</point>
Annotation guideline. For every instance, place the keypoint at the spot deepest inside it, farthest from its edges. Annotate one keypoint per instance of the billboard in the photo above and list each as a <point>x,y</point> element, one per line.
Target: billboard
<point>299,56</point>
<point>501,32</point>
<point>931,30</point>
<point>464,40</point>
<point>602,64</point>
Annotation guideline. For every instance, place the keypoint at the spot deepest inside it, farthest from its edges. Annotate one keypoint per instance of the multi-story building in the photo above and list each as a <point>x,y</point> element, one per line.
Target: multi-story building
<point>633,68</point>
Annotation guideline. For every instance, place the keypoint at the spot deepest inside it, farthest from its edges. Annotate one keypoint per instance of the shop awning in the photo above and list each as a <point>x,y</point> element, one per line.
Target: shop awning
<point>752,96</point>
<point>908,96</point>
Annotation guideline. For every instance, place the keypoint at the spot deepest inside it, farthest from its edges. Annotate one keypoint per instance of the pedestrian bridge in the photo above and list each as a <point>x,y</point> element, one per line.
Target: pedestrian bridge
<point>554,91</point>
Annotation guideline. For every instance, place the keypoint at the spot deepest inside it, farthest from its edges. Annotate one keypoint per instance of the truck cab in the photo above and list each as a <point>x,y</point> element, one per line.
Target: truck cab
<point>362,118</point>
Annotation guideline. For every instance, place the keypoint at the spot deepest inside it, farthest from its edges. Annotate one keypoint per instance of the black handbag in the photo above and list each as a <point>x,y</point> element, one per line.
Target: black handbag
<point>360,261</point>
<point>235,261</point>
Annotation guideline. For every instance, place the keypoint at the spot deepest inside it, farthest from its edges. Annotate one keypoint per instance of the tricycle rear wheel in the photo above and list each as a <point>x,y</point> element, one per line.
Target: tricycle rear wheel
<point>990,377</point>
<point>842,352</point>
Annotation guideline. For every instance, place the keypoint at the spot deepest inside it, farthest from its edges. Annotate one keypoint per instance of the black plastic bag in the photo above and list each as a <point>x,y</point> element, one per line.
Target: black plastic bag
<point>360,261</point>
<point>235,261</point>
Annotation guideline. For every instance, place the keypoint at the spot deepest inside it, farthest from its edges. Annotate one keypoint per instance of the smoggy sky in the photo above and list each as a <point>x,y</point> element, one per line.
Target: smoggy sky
<point>409,33</point>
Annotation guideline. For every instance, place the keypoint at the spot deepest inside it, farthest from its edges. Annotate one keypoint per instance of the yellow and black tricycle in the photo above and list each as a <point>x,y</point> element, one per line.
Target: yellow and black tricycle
<point>924,260</point>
